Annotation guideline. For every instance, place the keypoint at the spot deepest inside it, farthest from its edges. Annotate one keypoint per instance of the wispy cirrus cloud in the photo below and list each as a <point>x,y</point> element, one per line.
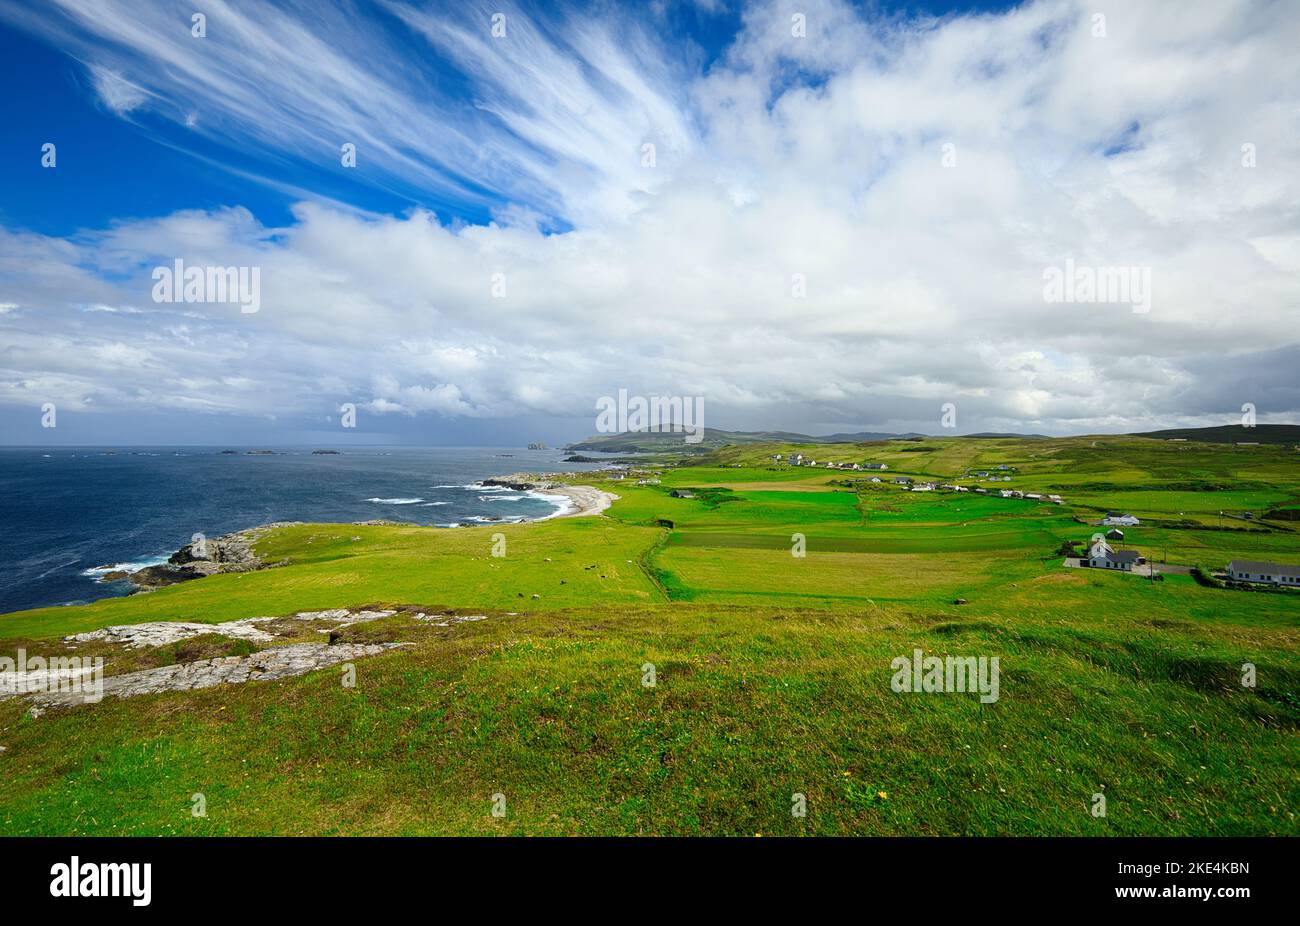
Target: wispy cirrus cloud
<point>551,114</point>
<point>116,92</point>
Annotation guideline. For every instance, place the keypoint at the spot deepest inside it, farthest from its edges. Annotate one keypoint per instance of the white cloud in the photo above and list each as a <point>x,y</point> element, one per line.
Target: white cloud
<point>116,92</point>
<point>819,156</point>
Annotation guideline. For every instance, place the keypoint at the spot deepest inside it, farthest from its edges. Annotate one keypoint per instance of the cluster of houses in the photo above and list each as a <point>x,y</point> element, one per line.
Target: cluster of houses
<point>998,474</point>
<point>907,483</point>
<point>1102,555</point>
<point>984,475</point>
<point>798,459</point>
<point>643,477</point>
<point>1032,496</point>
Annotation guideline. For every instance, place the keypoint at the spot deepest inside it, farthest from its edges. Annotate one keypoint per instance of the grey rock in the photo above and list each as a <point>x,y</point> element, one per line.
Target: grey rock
<point>160,633</point>
<point>269,664</point>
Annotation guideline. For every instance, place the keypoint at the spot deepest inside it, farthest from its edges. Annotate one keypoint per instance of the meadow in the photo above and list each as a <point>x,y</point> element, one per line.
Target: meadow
<point>771,670</point>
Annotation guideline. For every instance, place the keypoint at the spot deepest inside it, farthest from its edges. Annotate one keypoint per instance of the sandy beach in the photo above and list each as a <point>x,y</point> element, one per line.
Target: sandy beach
<point>582,500</point>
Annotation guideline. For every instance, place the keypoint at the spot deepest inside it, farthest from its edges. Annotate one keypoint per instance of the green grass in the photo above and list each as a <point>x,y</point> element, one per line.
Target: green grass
<point>772,669</point>
<point>390,565</point>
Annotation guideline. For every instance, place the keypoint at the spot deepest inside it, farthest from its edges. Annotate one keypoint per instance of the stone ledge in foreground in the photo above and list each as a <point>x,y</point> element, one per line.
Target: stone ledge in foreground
<point>267,665</point>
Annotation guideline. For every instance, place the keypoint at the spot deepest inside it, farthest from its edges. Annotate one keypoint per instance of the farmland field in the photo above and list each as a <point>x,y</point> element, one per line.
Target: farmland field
<point>770,606</point>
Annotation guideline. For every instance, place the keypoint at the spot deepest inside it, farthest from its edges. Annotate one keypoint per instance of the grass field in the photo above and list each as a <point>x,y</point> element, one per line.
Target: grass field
<point>772,670</point>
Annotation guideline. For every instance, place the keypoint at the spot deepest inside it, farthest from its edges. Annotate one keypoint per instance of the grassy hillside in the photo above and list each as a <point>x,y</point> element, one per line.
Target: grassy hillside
<point>1232,433</point>
<point>772,670</point>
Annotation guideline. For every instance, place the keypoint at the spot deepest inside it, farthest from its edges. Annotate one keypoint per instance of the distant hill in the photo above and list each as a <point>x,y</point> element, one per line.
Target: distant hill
<point>863,437</point>
<point>672,441</point>
<point>1007,434</point>
<point>662,441</point>
<point>1232,433</point>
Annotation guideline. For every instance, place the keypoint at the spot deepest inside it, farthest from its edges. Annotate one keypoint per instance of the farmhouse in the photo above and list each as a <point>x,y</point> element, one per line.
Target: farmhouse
<point>1103,556</point>
<point>1114,534</point>
<point>901,480</point>
<point>1119,519</point>
<point>880,466</point>
<point>1244,570</point>
<point>682,493</point>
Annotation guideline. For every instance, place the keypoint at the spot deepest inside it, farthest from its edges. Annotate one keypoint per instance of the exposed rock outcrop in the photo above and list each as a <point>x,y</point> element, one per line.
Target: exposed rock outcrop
<point>205,557</point>
<point>269,664</point>
<point>161,633</point>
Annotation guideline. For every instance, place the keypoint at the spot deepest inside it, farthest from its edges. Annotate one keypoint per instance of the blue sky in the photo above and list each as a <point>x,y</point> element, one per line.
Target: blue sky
<point>150,165</point>
<point>819,156</point>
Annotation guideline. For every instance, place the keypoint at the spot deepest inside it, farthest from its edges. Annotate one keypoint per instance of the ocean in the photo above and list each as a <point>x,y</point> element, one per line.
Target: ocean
<point>69,515</point>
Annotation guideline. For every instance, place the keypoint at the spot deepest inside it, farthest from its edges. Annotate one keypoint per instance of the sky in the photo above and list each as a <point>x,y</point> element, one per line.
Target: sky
<point>811,215</point>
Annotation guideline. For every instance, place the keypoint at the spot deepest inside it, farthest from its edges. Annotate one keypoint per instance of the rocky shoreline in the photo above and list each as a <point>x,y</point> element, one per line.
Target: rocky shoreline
<point>201,558</point>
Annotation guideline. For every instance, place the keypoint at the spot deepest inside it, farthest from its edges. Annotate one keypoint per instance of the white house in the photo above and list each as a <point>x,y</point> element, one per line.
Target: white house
<point>1244,570</point>
<point>1119,519</point>
<point>1103,556</point>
